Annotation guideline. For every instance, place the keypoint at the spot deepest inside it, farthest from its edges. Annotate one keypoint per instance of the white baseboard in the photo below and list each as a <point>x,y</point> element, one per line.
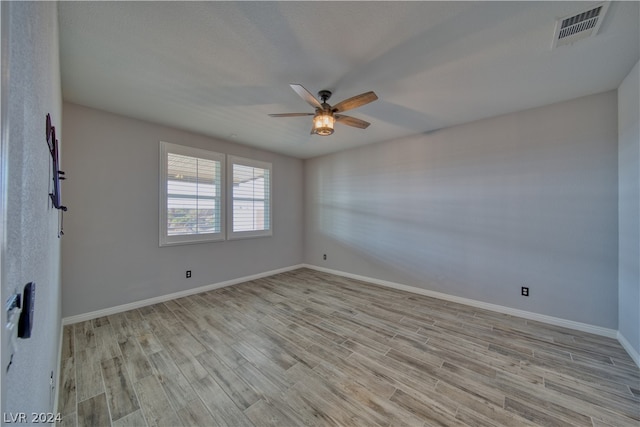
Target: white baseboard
<point>58,374</point>
<point>627,346</point>
<point>162,298</point>
<point>584,327</point>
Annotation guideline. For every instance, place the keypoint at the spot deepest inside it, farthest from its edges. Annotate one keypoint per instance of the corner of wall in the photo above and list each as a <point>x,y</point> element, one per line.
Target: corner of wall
<point>629,212</point>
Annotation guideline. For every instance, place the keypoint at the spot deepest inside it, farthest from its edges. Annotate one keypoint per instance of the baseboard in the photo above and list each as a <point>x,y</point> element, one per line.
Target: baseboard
<point>58,375</point>
<point>629,348</point>
<point>584,327</point>
<point>162,298</point>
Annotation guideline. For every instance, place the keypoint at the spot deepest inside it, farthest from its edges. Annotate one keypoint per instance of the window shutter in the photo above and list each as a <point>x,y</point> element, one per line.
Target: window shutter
<point>251,197</point>
<point>192,195</point>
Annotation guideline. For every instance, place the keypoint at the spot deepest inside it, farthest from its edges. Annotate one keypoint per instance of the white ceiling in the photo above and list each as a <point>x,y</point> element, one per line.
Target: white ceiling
<point>218,68</point>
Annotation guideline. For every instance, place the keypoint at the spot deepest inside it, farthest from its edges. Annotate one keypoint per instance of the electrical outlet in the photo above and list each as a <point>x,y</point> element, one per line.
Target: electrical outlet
<point>324,257</point>
<point>525,291</point>
<point>188,274</point>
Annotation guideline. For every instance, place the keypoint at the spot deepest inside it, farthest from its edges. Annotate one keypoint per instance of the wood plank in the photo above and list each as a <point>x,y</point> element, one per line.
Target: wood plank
<point>194,414</point>
<point>88,374</point>
<point>264,414</point>
<point>149,343</point>
<point>154,402</point>
<point>106,342</point>
<point>67,342</point>
<point>135,360</point>
<point>533,414</point>
<point>83,334</point>
<point>67,392</point>
<point>134,419</point>
<point>351,388</point>
<point>627,407</point>
<point>426,409</point>
<point>94,412</point>
<point>179,391</point>
<point>69,420</point>
<point>121,396</point>
<point>474,405</point>
<point>221,407</point>
<point>193,370</point>
<point>237,388</point>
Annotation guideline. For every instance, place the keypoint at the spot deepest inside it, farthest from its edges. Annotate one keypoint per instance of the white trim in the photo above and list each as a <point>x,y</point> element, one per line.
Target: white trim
<point>155,300</point>
<point>584,327</point>
<point>627,346</point>
<point>56,390</point>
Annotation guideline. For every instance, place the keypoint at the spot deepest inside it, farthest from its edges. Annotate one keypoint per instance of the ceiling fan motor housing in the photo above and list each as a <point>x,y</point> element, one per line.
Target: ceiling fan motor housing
<point>324,95</point>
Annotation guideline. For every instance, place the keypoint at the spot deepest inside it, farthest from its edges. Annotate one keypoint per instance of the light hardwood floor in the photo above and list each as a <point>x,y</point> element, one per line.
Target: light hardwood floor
<point>309,348</point>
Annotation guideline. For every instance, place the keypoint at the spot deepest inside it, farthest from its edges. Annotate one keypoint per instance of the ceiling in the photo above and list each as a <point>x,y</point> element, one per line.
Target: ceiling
<point>218,68</point>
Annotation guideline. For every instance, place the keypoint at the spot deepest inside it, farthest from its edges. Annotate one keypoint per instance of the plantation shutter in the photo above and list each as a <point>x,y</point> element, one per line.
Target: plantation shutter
<point>251,197</point>
<point>191,196</point>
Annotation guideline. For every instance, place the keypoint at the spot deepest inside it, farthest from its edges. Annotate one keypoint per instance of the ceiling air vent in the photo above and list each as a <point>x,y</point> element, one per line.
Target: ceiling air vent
<point>579,26</point>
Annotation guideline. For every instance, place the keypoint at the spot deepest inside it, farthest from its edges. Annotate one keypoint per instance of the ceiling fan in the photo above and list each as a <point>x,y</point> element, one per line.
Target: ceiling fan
<point>325,115</point>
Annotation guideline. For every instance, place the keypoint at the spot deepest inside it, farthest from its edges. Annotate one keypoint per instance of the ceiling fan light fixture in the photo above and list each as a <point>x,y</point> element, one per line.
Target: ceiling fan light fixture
<point>323,123</point>
<point>324,118</point>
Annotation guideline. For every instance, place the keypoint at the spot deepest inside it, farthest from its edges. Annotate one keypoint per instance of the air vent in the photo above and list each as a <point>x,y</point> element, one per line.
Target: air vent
<point>579,26</point>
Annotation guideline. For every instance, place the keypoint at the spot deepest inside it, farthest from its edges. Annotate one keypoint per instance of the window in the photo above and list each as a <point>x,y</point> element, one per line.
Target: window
<point>191,195</point>
<point>250,190</point>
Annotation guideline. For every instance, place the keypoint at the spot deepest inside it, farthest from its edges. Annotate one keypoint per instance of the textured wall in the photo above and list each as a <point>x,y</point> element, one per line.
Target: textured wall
<point>110,251</point>
<point>629,207</point>
<point>33,247</point>
<point>481,209</point>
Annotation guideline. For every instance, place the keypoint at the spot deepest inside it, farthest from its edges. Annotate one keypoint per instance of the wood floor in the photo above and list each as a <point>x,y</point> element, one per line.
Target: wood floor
<point>309,348</point>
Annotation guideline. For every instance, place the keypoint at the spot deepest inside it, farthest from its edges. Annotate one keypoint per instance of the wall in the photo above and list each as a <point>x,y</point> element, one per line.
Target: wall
<point>479,210</point>
<point>629,209</point>
<point>110,250</point>
<point>31,89</point>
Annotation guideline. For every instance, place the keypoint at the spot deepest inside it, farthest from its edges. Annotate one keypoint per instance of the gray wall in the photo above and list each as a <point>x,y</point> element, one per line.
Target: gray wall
<point>33,247</point>
<point>629,208</point>
<point>110,253</point>
<point>481,209</point>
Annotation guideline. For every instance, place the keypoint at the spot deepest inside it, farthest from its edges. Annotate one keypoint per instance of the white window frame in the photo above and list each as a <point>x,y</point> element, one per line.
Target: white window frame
<point>232,235</point>
<point>165,239</point>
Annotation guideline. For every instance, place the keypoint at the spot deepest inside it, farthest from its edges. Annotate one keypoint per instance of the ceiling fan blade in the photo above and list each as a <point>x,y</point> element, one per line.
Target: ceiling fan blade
<point>351,121</point>
<point>291,114</point>
<point>355,102</point>
<point>306,95</point>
